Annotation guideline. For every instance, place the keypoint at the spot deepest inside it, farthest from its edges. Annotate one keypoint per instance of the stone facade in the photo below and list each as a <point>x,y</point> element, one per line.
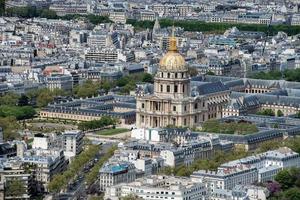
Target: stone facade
<point>171,103</point>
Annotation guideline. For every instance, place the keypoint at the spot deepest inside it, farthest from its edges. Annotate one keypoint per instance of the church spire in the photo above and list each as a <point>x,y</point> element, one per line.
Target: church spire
<point>173,41</point>
<point>156,26</point>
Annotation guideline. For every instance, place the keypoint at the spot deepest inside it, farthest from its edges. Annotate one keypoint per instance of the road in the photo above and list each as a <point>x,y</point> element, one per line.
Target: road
<point>76,190</point>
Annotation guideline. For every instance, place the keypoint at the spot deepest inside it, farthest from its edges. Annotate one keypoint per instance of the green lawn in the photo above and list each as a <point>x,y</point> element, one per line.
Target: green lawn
<point>112,131</point>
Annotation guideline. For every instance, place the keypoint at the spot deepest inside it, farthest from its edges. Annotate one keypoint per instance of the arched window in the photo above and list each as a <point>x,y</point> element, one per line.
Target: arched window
<point>196,106</point>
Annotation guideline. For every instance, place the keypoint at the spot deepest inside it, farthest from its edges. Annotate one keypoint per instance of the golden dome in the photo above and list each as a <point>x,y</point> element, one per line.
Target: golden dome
<point>172,61</point>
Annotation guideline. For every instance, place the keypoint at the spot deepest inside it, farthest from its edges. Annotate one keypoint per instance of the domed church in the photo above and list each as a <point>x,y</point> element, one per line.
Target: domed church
<point>172,102</point>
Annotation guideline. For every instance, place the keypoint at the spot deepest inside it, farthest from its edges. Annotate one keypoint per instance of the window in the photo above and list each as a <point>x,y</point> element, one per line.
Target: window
<point>174,121</point>
<point>196,106</point>
<point>161,88</point>
<point>184,121</point>
<point>183,88</point>
<point>174,108</point>
<point>143,105</point>
<point>175,88</point>
<point>168,88</point>
<point>175,75</point>
<point>185,108</point>
<point>195,119</point>
<point>168,75</point>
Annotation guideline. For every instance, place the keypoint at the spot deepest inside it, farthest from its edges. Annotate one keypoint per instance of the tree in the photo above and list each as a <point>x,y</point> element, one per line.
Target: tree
<point>192,71</point>
<point>44,98</point>
<point>60,181</point>
<point>131,197</point>
<point>285,179</point>
<point>267,112</point>
<point>49,14</point>
<point>10,127</point>
<point>292,194</point>
<point>94,124</point>
<point>269,145</point>
<point>9,99</point>
<point>279,113</point>
<point>23,100</point>
<point>2,7</point>
<point>212,126</point>
<point>273,187</point>
<point>87,89</point>
<point>14,188</point>
<point>210,73</point>
<point>148,78</point>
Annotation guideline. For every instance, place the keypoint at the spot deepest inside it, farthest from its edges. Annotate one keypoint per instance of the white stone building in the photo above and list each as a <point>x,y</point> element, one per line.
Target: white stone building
<point>159,187</point>
<point>73,143</point>
<point>113,173</point>
<point>226,178</point>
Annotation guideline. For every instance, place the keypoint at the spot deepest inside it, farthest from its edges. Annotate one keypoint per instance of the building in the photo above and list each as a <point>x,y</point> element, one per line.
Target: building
<point>73,143</point>
<point>7,150</point>
<point>13,170</point>
<point>63,9</point>
<point>113,173</point>
<point>118,16</point>
<point>173,103</point>
<point>159,187</point>
<point>59,81</point>
<point>41,141</point>
<point>226,178</point>
<point>116,106</point>
<point>44,164</point>
<point>269,163</point>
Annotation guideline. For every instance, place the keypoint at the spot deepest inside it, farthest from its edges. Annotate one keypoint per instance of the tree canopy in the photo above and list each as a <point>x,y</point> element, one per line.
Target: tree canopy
<point>60,181</point>
<point>94,124</point>
<point>288,74</point>
<point>214,126</point>
<point>286,186</point>
<point>31,11</point>
<point>200,26</point>
<point>14,188</point>
<point>267,112</point>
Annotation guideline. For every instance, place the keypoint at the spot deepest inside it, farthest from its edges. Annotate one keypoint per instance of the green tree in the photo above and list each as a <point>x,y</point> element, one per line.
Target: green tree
<point>87,89</point>
<point>285,179</point>
<point>148,78</point>
<point>23,100</point>
<point>14,188</point>
<point>60,181</point>
<point>9,99</point>
<point>2,7</point>
<point>44,98</point>
<point>10,128</point>
<point>292,194</point>
<point>279,113</point>
<point>92,176</point>
<point>269,145</point>
<point>49,14</point>
<point>212,126</point>
<point>131,197</point>
<point>192,71</point>
<point>210,73</point>
<point>267,112</point>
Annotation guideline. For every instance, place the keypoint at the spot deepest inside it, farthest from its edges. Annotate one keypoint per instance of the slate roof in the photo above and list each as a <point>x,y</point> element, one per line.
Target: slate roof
<point>207,88</point>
